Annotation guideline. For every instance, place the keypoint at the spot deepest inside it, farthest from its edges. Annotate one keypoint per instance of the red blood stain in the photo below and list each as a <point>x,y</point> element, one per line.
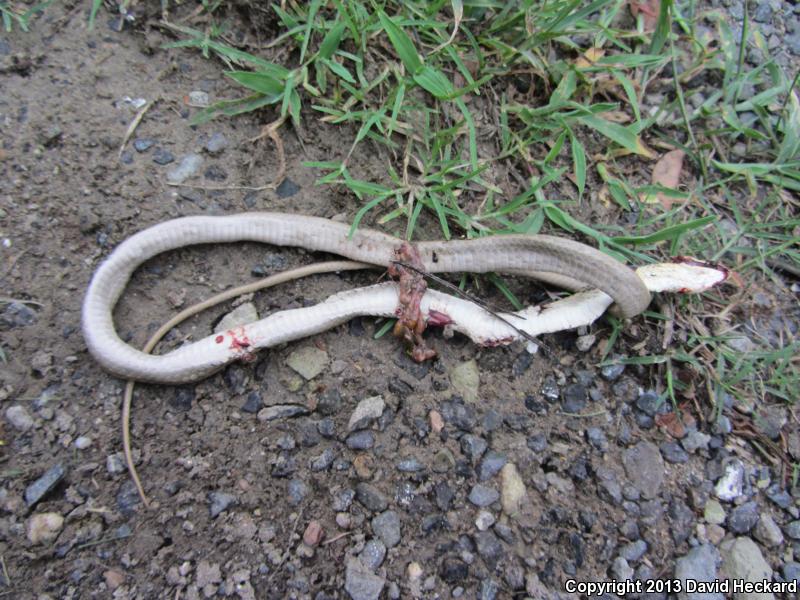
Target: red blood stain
<point>239,341</point>
<point>219,339</point>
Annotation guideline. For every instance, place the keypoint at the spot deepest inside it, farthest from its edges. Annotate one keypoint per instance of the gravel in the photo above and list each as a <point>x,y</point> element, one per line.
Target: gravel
<point>386,526</point>
<point>37,490</point>
<point>644,468</point>
<point>482,495</point>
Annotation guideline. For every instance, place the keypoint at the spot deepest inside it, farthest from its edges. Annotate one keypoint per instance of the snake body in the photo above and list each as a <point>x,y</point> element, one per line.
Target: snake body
<point>566,263</point>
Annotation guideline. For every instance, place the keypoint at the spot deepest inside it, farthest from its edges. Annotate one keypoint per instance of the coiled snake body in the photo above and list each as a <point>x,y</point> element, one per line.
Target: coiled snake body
<point>555,260</point>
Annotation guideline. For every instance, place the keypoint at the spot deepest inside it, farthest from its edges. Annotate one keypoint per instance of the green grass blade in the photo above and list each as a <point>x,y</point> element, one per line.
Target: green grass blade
<point>402,44</point>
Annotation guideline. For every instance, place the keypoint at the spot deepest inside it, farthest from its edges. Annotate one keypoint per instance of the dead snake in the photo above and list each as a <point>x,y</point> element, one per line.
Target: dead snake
<point>555,260</point>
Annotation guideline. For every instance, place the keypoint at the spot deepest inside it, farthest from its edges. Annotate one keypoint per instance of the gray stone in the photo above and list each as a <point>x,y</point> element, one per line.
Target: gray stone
<point>360,583</point>
<point>649,403</point>
<point>453,570</point>
<point>608,485</point>
<point>216,143</point>
<point>17,314</point>
<point>700,564</point>
<point>673,453</point>
<point>767,531</point>
<point>361,440</point>
<point>791,571</point>
<point>386,526</point>
<point>163,157</point>
<point>219,502</point>
<point>188,166</point>
<point>343,500</point>
<point>241,315</point>
<point>742,559</point>
<point>410,465</point>
<point>473,446</point>
<point>489,548</point>
<point>489,589</point>
<point>373,554</point>
<point>115,463</point>
<point>621,570</point>
<point>695,440</point>
<point>483,495</point>
<point>324,461</point>
<point>459,415</point>
<point>282,411</point>
<point>443,461</point>
<point>634,551</point>
<point>143,144</point>
<point>367,412</point>
<point>743,518</point>
<point>793,43</point>
<point>329,402</point>
<point>297,490</point>
<point>575,398</point>
<point>465,379</point>
<point>287,188</point>
<point>253,403</point>
<point>44,484</point>
<point>491,464</point>
<point>713,513</point>
<point>612,372</point>
<point>779,496</point>
<point>19,418</point>
<point>763,13</point>
<point>597,438</point>
<point>644,468</point>
<point>484,520</point>
<point>308,361</point>
<point>369,496</point>
<point>793,530</point>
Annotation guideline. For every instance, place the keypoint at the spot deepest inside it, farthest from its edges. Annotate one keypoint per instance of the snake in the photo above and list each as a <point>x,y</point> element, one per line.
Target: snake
<point>599,280</point>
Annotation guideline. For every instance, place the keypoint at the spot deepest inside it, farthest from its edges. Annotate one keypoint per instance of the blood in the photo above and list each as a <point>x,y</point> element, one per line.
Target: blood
<point>239,341</point>
<point>219,339</point>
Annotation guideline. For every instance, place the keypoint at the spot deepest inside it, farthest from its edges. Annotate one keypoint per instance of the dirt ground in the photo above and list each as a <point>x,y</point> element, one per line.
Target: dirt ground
<point>67,197</point>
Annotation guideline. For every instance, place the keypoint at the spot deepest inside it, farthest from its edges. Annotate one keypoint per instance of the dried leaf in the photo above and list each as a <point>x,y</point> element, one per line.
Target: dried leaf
<point>673,425</point>
<point>667,172</point>
<point>591,56</point>
<point>649,10</point>
<point>616,116</point>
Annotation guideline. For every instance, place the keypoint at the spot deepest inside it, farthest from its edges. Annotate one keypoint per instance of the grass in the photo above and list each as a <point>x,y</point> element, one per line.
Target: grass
<point>517,117</point>
<point>13,14</point>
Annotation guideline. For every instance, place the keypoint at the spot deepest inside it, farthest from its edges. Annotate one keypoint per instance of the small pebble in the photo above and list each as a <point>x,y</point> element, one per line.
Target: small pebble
<point>313,534</point>
<point>143,144</point>
<point>39,488</point>
<point>216,143</point>
<point>44,527</point>
<point>219,502</point>
<point>483,495</point>
<point>83,442</point>
<point>367,411</point>
<point>163,157</point>
<point>484,520</point>
<point>19,418</point>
